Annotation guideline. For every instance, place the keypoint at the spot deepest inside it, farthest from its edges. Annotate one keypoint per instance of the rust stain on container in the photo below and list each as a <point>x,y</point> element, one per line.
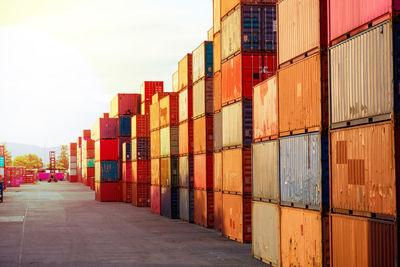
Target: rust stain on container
<point>363,169</point>
<point>169,110</point>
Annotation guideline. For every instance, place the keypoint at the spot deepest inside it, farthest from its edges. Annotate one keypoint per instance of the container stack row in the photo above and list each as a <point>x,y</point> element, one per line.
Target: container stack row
<point>88,169</point>
<point>73,167</point>
<point>2,172</point>
<point>79,158</point>
<point>364,111</point>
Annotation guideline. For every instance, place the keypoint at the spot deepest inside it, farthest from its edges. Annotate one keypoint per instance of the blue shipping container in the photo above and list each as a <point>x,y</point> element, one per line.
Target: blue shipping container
<point>304,171</point>
<point>109,171</point>
<point>170,202</point>
<point>124,127</point>
<point>2,161</point>
<point>209,58</point>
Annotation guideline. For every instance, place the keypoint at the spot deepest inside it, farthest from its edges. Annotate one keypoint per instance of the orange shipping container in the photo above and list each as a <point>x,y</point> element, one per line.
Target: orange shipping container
<point>217,52</point>
<point>217,92</point>
<point>155,144</point>
<point>236,217</point>
<point>363,166</point>
<point>203,171</point>
<point>169,110</point>
<point>155,172</point>
<point>265,110</point>
<point>204,208</point>
<point>360,241</point>
<point>236,171</point>
<point>218,210</point>
<point>185,104</point>
<point>154,116</point>
<point>203,134</point>
<point>228,5</point>
<point>186,138</point>
<point>217,15</point>
<point>217,171</point>
<point>185,72</point>
<point>157,97</point>
<point>303,96</point>
<point>301,237</point>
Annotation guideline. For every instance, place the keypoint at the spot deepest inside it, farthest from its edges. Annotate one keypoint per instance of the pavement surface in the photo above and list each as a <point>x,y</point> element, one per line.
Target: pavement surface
<point>60,224</point>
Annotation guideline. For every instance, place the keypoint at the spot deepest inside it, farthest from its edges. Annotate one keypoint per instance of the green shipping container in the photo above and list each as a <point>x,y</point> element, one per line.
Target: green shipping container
<point>90,163</point>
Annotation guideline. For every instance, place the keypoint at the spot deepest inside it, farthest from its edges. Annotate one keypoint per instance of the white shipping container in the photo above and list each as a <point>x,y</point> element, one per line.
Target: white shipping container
<point>203,97</point>
<point>237,126</point>
<point>183,105</point>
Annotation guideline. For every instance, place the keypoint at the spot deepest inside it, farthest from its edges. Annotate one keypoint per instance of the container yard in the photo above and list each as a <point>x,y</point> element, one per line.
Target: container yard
<point>277,145</point>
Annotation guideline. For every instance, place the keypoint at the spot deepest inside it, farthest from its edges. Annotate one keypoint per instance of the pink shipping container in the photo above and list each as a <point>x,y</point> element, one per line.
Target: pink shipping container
<point>354,16</point>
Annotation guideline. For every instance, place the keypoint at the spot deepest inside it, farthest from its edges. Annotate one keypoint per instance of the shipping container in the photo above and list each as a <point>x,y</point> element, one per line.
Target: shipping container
<point>249,29</point>
<point>218,210</point>
<point>304,238</point>
<point>86,135</point>
<point>155,199</point>
<point>364,80</point>
<point>217,52</point>
<point>347,17</point>
<point>216,16</point>
<point>154,116</point>
<point>357,241</point>
<point>236,171</point>
<point>169,141</point>
<point>202,61</point>
<point>236,217</point>
<point>149,88</point>
<point>217,130</point>
<point>127,192</point>
<point>108,192</point>
<point>155,144</point>
<point>304,24</point>
<point>363,166</point>
<point>127,171</point>
<point>125,104</point>
<point>186,138</point>
<point>203,95</point>
<point>203,134</point>
<point>157,97</point>
<point>217,180</point>
<point>217,92</point>
<point>185,104</point>
<point>226,6</point>
<point>186,204</point>
<point>124,125</point>
<point>145,107</point>
<point>303,96</point>
<point>169,110</point>
<point>141,171</point>
<point>140,195</point>
<point>203,171</point>
<point>106,171</point>
<point>204,207</point>
<point>127,151</point>
<point>140,148</point>
<point>265,110</point>
<point>186,171</point>
<point>140,126</point>
<point>242,72</point>
<point>237,124</point>
<point>121,141</point>
<point>170,202</point>
<point>72,148</point>
<point>175,81</point>
<point>266,232</point>
<point>106,149</point>
<point>185,72</point>
<point>304,171</point>
<point>155,171</point>
<point>104,128</point>
<point>265,169</point>
<point>169,169</point>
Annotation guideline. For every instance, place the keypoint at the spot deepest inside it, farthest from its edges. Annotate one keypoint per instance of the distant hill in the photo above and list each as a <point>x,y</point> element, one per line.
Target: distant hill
<point>23,149</point>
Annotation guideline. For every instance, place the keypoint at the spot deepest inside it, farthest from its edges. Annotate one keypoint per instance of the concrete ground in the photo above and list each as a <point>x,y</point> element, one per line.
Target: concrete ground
<point>60,224</point>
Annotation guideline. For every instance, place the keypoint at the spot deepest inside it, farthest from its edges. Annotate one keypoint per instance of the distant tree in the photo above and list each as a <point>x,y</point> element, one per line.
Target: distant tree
<point>29,161</point>
<point>7,155</point>
<point>62,159</point>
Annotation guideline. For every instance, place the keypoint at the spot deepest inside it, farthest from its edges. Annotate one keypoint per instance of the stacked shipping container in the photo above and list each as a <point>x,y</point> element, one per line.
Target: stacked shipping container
<point>79,158</point>
<point>364,113</point>
<point>2,172</point>
<point>88,175</point>
<point>73,171</point>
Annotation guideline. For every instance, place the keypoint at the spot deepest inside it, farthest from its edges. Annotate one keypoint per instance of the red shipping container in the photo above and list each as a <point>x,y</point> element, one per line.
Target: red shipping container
<point>203,171</point>
<point>149,88</point>
<point>105,116</point>
<point>90,172</point>
<point>169,110</point>
<point>127,192</point>
<point>72,149</point>
<point>155,206</point>
<point>121,141</point>
<point>204,208</point>
<point>127,171</point>
<point>242,72</point>
<point>73,178</point>
<point>141,171</point>
<point>218,210</point>
<point>79,142</point>
<point>108,192</point>
<point>140,195</point>
<point>104,128</point>
<point>145,107</point>
<point>92,183</point>
<point>125,104</point>
<point>86,134</point>
<point>106,149</point>
<point>346,16</point>
<point>140,126</point>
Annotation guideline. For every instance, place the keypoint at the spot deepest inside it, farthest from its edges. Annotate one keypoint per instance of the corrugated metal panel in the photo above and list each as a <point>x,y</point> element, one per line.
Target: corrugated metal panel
<point>169,171</point>
<point>237,128</point>
<point>360,241</point>
<point>186,171</point>
<point>202,61</point>
<point>236,171</point>
<point>155,144</point>
<point>204,208</point>
<point>175,82</point>
<point>169,110</point>
<point>203,171</point>
<point>185,72</point>
<point>304,171</point>
<point>218,210</point>
<point>185,104</point>
<point>217,15</point>
<point>155,199</point>
<point>228,5</point>
<point>265,170</point>
<point>217,171</point>
<point>155,116</point>
<point>217,52</point>
<point>104,128</point>
<point>204,97</point>
<point>362,75</point>
<point>299,23</point>
<point>236,217</point>
<point>169,141</point>
<point>217,127</point>
<point>266,232</point>
<point>155,171</point>
<point>265,109</point>
<point>231,34</point>
<point>364,169</point>
<point>186,204</point>
<point>106,171</point>
<point>203,134</point>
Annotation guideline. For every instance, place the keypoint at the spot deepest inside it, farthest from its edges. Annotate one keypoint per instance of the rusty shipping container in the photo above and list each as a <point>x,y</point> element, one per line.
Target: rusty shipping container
<point>154,116</point>
<point>265,170</point>
<point>169,141</point>
<point>140,126</point>
<point>145,107</point>
<point>265,222</point>
<point>303,96</point>
<point>236,217</point>
<point>217,129</point>
<point>237,127</point>
<point>186,171</point>
<point>204,207</point>
<point>236,171</point>
<point>141,171</point>
<point>157,97</point>
<point>186,138</point>
<point>217,184</point>
<point>155,171</point>
<point>218,210</point>
<point>265,110</point>
<point>304,24</point>
<point>155,144</point>
<point>226,6</point>
<point>186,204</point>
<point>169,171</point>
<point>363,175</point>
<point>202,61</point>
<point>149,88</point>
<point>104,128</point>
<point>204,95</point>
<point>217,52</point>
<point>203,134</point>
<point>185,104</point>
<point>249,29</point>
<point>169,110</point>
<point>185,76</point>
<point>125,104</point>
<point>140,148</point>
<point>304,238</point>
<point>357,241</point>
<point>203,171</point>
<point>364,79</point>
<point>175,81</point>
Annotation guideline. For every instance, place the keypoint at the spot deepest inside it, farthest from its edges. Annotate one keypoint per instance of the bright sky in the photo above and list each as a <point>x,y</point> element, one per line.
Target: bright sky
<point>62,61</point>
